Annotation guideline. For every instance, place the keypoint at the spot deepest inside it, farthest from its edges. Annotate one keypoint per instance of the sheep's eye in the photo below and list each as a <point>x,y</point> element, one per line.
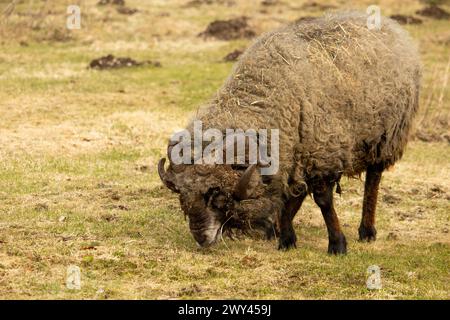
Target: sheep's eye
<point>215,198</point>
<point>208,196</point>
<point>219,201</point>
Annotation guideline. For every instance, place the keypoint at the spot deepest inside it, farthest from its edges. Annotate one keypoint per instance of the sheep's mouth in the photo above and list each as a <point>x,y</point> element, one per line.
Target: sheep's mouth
<point>205,227</point>
<point>244,221</point>
<point>252,217</point>
<point>209,224</point>
<point>205,241</point>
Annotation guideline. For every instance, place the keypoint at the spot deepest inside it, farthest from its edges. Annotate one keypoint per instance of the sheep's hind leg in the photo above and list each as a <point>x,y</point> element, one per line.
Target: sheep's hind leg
<point>367,231</point>
<point>323,197</point>
<point>288,238</point>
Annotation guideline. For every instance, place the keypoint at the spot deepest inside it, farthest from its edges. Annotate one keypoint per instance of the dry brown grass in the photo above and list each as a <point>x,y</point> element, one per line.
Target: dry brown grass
<point>79,148</point>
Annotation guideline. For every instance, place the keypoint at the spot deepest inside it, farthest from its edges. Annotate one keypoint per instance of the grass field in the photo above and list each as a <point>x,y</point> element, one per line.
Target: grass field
<point>79,148</point>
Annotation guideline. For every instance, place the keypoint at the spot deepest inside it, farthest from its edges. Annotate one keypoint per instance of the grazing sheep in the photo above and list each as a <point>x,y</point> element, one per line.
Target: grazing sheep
<point>343,98</point>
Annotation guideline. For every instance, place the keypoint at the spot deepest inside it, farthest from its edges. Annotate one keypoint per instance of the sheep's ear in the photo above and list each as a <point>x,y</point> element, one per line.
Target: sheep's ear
<point>247,183</point>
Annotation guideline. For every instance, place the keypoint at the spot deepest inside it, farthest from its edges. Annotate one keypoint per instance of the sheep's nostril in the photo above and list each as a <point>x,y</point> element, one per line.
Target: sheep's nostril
<point>206,243</point>
<point>203,239</point>
<point>200,239</point>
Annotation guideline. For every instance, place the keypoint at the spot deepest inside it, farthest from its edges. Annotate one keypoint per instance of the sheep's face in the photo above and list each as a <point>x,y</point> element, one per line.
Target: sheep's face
<point>217,199</point>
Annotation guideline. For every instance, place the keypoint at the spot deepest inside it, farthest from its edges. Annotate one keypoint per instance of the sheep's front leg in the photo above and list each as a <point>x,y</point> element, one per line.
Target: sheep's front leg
<point>367,231</point>
<point>288,238</point>
<point>323,196</point>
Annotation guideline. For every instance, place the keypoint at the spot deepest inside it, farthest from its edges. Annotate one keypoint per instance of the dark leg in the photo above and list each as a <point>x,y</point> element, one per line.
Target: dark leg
<point>323,196</point>
<point>367,231</point>
<point>287,234</point>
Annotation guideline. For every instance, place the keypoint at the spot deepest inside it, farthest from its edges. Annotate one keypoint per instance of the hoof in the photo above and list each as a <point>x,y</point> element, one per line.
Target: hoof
<point>338,246</point>
<point>287,241</point>
<point>367,233</point>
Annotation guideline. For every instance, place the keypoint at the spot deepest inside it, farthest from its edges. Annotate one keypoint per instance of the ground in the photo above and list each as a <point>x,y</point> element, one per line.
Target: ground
<point>79,148</point>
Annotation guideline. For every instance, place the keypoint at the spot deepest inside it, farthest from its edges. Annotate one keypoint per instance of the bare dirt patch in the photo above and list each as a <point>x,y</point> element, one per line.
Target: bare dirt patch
<point>434,128</point>
<point>312,5</point>
<point>270,2</point>
<point>191,290</point>
<point>198,3</point>
<point>437,191</point>
<point>112,62</point>
<point>59,36</point>
<point>403,19</point>
<point>126,10</point>
<point>237,28</point>
<point>417,213</point>
<point>111,2</point>
<point>391,199</point>
<point>305,19</point>
<point>233,56</point>
<point>426,135</point>
<point>434,12</point>
<point>120,6</point>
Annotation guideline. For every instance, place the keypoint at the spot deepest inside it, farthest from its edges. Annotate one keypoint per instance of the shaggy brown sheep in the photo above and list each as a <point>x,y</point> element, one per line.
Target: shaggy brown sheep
<point>343,98</point>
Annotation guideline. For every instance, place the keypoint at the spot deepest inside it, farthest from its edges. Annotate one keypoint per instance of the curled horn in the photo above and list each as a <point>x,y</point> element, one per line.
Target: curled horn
<point>162,175</point>
<point>241,189</point>
<point>161,170</point>
<point>177,168</point>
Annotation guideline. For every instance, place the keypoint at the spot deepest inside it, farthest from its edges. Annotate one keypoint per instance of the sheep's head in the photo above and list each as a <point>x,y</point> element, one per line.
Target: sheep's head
<point>219,199</point>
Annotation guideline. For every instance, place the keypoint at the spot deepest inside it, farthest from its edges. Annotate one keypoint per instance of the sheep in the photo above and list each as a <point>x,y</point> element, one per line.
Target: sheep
<point>343,97</point>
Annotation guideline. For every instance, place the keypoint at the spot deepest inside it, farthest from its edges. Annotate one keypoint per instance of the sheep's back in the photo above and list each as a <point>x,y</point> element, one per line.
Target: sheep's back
<point>342,96</point>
